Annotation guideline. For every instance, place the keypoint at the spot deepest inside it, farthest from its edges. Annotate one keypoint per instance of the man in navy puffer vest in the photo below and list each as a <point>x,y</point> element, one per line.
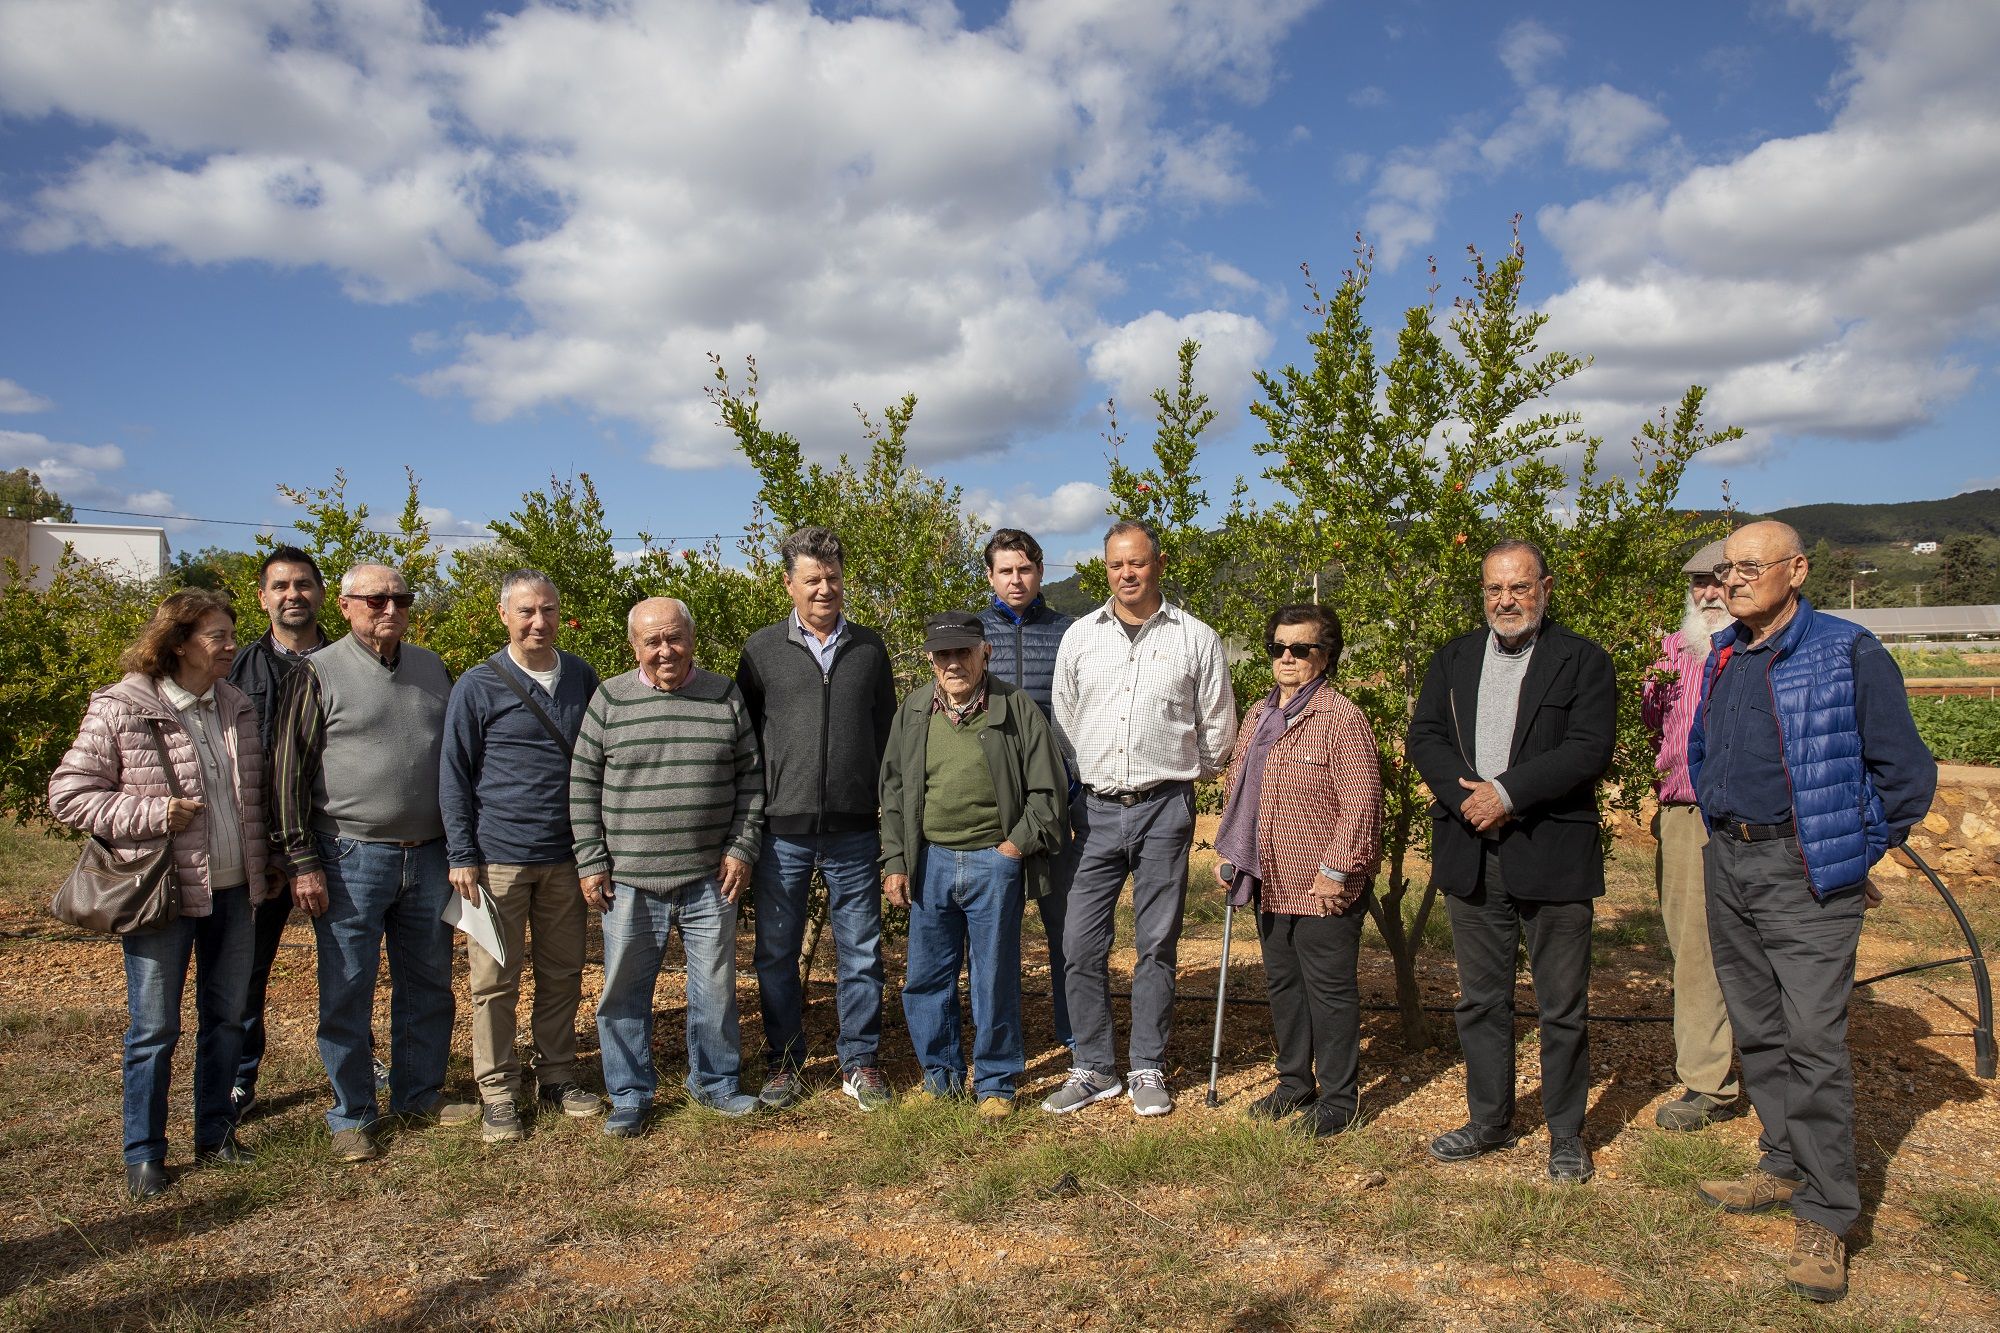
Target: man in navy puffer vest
<point>1808,768</point>
<point>1024,634</point>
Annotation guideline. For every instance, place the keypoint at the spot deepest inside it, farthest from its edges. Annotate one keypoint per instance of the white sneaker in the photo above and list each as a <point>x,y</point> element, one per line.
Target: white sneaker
<point>1149,1093</point>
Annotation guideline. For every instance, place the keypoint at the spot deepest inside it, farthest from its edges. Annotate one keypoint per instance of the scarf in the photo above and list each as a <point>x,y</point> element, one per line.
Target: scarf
<point>1236,838</point>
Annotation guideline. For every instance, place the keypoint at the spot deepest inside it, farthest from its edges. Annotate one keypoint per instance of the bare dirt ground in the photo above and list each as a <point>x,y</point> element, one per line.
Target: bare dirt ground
<point>924,1218</point>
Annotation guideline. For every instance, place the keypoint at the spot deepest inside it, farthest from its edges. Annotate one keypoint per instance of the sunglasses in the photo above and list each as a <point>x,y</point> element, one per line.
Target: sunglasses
<point>1301,651</point>
<point>402,601</point>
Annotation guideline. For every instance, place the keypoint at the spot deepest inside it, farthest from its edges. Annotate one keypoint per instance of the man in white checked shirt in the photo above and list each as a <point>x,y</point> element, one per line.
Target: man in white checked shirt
<point>1143,707</point>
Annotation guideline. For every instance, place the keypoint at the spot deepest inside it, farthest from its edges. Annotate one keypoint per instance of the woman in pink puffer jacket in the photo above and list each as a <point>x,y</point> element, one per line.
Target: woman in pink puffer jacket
<point>111,784</point>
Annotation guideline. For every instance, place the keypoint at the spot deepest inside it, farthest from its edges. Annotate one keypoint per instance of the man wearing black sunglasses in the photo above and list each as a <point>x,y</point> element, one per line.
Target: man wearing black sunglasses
<point>355,747</point>
<point>1512,732</point>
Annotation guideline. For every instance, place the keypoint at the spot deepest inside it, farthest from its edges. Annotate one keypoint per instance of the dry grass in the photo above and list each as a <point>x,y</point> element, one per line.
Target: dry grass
<point>924,1217</point>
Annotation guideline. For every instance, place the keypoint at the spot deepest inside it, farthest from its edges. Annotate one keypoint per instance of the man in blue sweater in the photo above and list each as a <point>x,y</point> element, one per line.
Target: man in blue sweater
<point>1024,634</point>
<point>1807,767</point>
<point>503,787</point>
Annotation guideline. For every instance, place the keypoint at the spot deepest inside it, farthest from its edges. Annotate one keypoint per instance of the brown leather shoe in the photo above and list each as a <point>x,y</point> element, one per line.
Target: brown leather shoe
<point>1817,1268</point>
<point>1753,1192</point>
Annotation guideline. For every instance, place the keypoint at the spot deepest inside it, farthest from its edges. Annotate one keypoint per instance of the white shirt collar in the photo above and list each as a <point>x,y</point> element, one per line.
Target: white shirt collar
<point>180,699</point>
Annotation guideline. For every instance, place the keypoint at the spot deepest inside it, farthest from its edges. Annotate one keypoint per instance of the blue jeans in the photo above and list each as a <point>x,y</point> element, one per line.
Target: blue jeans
<point>636,926</point>
<point>966,898</point>
<point>156,965</point>
<point>854,912</point>
<point>377,892</point>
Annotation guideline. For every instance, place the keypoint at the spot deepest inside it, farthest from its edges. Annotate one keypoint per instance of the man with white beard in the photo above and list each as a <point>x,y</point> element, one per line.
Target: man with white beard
<point>1673,691</point>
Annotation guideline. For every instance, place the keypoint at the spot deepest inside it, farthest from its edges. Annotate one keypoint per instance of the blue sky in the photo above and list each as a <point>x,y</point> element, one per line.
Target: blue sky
<point>243,242</point>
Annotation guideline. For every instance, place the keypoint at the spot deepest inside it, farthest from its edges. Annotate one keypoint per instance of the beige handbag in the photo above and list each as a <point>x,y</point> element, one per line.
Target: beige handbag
<point>119,892</point>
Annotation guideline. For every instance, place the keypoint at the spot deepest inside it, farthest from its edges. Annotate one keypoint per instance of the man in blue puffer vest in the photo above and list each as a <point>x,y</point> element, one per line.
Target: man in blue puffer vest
<point>1024,634</point>
<point>1807,767</point>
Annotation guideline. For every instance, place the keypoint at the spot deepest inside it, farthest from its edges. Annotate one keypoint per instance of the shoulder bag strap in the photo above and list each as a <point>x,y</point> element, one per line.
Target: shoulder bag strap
<point>166,761</point>
<point>499,669</point>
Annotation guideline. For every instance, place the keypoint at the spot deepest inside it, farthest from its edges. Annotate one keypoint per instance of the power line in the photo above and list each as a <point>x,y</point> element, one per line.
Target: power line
<point>435,536</point>
<point>380,532</point>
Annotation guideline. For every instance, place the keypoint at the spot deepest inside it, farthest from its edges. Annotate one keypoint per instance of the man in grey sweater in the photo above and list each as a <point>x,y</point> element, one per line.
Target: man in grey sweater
<point>354,813</point>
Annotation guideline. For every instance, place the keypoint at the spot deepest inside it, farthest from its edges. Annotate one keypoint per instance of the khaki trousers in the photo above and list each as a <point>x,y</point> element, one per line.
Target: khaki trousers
<point>1702,1039</point>
<point>548,900</point>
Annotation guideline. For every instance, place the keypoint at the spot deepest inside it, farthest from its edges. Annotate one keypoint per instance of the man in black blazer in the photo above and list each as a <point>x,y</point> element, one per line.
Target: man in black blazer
<point>1512,733</point>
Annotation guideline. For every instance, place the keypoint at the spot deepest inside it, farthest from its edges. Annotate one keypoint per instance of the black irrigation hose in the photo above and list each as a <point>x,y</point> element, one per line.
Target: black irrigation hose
<point>1377,1007</point>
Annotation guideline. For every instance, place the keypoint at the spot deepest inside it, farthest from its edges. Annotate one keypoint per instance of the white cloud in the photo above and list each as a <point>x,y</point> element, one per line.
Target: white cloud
<point>1599,128</point>
<point>1829,283</point>
<point>16,401</point>
<point>1141,356</point>
<point>1073,507</point>
<point>85,475</point>
<point>1368,97</point>
<point>1525,48</point>
<point>873,201</point>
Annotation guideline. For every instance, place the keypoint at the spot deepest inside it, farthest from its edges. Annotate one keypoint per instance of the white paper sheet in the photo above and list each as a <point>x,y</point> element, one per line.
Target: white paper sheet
<point>479,921</point>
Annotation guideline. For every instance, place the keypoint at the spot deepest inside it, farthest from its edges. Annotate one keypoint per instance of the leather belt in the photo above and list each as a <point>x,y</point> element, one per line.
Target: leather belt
<point>1132,798</point>
<point>1742,832</point>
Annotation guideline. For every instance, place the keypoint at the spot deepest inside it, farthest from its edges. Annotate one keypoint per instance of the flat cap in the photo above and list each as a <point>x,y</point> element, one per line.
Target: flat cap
<point>1705,560</point>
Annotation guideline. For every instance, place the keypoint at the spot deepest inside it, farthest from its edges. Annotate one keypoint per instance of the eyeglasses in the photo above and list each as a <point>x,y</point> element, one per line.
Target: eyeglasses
<point>1751,570</point>
<point>402,601</point>
<point>1301,651</point>
<point>1520,592</point>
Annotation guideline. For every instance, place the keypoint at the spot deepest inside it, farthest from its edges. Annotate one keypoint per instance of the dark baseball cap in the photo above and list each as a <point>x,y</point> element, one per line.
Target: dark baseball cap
<point>952,629</point>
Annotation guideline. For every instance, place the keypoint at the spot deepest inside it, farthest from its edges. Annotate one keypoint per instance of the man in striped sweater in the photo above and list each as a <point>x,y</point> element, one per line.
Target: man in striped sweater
<point>667,807</point>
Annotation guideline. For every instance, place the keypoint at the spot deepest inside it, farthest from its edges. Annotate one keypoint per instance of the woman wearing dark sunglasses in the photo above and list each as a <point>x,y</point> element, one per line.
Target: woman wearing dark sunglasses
<point>1301,835</point>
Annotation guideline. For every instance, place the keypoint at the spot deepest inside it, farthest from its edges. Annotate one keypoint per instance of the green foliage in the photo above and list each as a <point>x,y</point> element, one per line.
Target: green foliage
<point>1939,664</point>
<point>911,550</point>
<point>1968,574</point>
<point>57,646</point>
<point>22,495</point>
<point>1397,477</point>
<point>1168,499</point>
<point>336,535</point>
<point>1959,730</point>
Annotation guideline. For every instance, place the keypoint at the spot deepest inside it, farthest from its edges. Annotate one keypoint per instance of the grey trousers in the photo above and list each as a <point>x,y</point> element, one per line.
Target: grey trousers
<point>1149,842</point>
<point>1786,964</point>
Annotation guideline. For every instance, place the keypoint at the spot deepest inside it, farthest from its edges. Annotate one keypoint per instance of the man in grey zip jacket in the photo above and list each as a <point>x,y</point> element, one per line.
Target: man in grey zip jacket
<point>822,696</point>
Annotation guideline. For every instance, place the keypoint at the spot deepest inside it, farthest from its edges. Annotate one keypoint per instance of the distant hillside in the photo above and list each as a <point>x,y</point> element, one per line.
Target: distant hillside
<point>1973,514</point>
<point>1878,535</point>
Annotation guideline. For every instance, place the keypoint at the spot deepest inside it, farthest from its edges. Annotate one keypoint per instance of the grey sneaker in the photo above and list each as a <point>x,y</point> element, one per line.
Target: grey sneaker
<point>1149,1092</point>
<point>381,1078</point>
<point>500,1122</point>
<point>785,1087</point>
<point>867,1086</point>
<point>730,1103</point>
<point>576,1102</point>
<point>1081,1089</point>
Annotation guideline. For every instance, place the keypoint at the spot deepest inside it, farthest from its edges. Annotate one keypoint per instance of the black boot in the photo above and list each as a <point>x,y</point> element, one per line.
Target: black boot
<point>146,1180</point>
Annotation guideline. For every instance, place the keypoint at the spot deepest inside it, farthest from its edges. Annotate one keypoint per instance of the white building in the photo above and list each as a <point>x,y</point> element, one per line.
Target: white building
<point>129,552</point>
<point>1924,548</point>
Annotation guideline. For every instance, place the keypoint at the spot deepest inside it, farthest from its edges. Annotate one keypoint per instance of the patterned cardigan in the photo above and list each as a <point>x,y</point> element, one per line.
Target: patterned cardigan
<point>1321,803</point>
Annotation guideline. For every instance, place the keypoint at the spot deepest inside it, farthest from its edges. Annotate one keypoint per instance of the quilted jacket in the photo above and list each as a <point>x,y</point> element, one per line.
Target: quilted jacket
<point>110,782</point>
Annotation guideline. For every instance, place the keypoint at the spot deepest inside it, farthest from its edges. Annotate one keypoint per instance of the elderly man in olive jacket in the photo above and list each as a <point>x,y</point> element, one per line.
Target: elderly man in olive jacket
<point>973,794</point>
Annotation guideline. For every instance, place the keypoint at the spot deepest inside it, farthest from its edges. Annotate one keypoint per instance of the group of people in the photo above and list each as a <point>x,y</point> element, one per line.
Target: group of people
<point>1050,760</point>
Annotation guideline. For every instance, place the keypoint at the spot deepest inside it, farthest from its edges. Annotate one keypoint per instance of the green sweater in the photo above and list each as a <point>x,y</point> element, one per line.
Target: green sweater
<point>664,783</point>
<point>1030,788</point>
<point>961,810</point>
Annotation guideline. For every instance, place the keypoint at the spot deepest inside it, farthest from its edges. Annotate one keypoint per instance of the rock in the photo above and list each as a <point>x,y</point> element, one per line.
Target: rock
<point>1936,824</point>
<point>1374,1180</point>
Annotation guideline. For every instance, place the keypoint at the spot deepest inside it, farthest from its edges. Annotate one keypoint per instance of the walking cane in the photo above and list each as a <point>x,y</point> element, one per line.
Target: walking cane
<point>1221,991</point>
